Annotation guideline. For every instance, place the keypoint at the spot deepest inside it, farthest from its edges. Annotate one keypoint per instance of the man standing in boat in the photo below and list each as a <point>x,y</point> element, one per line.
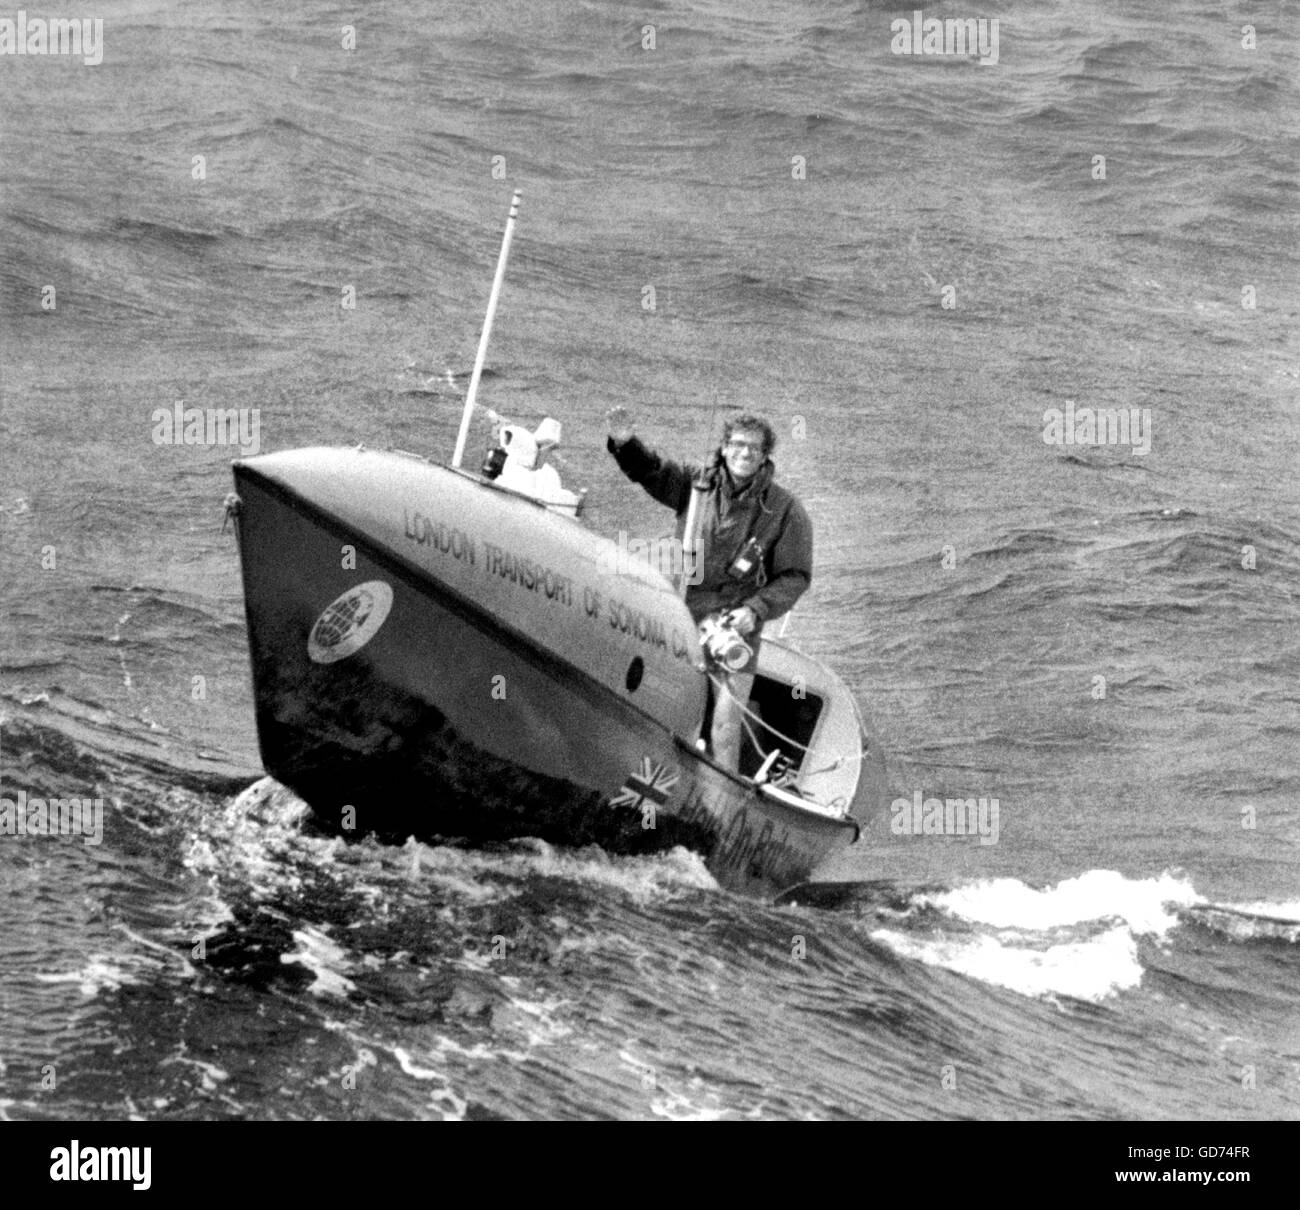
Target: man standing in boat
<point>754,551</point>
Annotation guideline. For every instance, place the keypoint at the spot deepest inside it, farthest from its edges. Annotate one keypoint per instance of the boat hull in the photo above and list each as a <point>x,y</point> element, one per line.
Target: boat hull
<point>394,702</point>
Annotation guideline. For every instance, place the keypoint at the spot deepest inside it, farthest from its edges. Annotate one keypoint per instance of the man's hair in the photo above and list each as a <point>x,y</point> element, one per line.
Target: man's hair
<point>751,424</point>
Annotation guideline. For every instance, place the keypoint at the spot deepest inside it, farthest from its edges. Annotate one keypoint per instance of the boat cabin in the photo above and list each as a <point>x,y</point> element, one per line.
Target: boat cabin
<point>810,733</point>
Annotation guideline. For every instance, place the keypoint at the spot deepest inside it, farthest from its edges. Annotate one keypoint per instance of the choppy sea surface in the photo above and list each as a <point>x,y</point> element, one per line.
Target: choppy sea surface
<point>905,261</point>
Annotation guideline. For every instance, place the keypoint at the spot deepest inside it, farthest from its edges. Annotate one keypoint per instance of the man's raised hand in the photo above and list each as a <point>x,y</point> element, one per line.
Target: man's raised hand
<point>620,424</point>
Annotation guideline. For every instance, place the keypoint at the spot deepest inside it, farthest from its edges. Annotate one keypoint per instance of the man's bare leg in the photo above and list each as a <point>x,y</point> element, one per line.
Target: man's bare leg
<point>728,718</point>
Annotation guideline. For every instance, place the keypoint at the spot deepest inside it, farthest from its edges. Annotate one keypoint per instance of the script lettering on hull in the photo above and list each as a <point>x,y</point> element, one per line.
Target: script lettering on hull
<point>741,848</point>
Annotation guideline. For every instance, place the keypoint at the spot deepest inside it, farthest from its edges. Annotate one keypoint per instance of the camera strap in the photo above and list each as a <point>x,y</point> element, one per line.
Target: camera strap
<point>761,531</point>
<point>764,523</point>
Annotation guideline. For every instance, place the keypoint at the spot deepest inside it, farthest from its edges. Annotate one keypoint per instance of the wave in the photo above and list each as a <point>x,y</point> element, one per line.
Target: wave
<point>1080,938</point>
<point>1259,920</point>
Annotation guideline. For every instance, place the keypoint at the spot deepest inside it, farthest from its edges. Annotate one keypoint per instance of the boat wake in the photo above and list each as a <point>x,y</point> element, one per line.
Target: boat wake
<point>270,896</point>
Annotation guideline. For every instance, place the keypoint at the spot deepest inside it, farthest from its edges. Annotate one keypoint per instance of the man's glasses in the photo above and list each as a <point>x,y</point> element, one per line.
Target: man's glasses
<point>754,447</point>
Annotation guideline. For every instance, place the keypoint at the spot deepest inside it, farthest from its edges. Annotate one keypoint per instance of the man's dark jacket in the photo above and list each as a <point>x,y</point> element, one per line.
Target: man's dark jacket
<point>729,518</point>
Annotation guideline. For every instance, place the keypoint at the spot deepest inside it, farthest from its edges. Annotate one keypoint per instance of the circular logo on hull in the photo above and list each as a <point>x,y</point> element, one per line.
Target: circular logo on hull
<point>349,622</point>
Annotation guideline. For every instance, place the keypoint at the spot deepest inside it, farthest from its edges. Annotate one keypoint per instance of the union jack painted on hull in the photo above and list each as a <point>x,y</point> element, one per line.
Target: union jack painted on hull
<point>653,782</point>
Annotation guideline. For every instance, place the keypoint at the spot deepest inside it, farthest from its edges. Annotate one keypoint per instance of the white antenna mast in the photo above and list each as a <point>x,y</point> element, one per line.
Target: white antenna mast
<point>487,332</point>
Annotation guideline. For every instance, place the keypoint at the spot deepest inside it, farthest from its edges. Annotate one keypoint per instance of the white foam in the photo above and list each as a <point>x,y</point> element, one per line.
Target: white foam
<point>210,1074</point>
<point>537,1020</point>
<point>447,1103</point>
<point>456,871</point>
<point>645,879</point>
<point>1078,938</point>
<point>1091,969</point>
<point>1147,905</point>
<point>408,1065</point>
<point>677,1107</point>
<point>99,974</point>
<point>320,955</point>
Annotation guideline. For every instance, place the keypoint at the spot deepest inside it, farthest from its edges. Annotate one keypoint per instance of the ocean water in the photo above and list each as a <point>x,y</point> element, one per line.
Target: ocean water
<point>905,261</point>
